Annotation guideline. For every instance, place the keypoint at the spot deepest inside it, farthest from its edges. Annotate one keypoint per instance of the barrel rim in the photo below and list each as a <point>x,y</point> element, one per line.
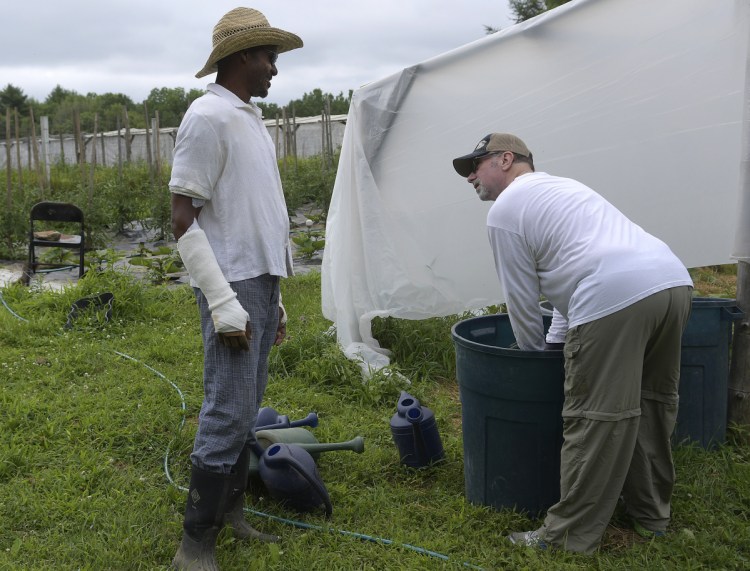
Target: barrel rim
<point>495,350</point>
<point>714,302</point>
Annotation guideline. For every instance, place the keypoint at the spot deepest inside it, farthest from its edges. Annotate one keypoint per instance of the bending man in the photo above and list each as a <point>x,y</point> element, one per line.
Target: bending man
<point>626,299</point>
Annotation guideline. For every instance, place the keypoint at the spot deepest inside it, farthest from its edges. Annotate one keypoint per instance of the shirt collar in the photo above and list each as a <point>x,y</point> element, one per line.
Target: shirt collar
<point>229,96</point>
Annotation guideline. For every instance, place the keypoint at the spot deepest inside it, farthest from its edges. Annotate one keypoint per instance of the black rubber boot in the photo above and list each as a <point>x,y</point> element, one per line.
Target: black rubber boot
<point>235,515</point>
<point>206,503</point>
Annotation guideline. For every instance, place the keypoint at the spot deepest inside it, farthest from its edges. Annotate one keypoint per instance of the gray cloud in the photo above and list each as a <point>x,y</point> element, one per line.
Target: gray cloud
<point>132,47</point>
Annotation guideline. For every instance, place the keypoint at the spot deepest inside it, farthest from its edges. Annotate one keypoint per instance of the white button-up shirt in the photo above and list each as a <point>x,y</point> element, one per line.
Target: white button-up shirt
<point>225,157</point>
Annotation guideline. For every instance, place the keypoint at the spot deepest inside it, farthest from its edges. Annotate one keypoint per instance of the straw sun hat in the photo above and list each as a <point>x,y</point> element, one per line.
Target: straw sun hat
<point>244,28</point>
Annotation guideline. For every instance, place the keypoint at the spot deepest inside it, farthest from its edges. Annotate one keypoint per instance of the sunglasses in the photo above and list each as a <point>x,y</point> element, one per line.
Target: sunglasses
<point>272,56</point>
<point>477,161</point>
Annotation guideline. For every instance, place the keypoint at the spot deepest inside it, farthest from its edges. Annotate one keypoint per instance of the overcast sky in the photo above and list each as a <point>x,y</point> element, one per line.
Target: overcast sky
<point>134,46</point>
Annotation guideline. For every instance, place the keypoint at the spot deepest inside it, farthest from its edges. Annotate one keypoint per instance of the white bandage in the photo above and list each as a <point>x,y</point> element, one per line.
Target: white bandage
<point>283,309</point>
<point>199,259</point>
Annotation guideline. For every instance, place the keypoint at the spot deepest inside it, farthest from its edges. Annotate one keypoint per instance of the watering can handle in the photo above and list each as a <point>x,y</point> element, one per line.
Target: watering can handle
<point>297,467</point>
<point>255,446</point>
<point>734,313</point>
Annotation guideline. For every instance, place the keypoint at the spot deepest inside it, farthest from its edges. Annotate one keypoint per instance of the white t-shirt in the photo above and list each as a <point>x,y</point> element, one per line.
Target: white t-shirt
<point>225,156</point>
<point>556,237</point>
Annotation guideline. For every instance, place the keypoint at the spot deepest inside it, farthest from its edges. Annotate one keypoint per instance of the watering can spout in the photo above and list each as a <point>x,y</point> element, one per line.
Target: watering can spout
<point>310,420</point>
<point>414,414</point>
<point>405,402</point>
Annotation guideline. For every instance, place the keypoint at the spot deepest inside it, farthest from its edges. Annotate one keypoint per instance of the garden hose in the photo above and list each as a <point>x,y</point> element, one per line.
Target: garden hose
<point>294,523</point>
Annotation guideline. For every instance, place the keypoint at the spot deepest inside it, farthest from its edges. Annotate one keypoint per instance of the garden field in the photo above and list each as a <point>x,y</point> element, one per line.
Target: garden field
<point>98,421</point>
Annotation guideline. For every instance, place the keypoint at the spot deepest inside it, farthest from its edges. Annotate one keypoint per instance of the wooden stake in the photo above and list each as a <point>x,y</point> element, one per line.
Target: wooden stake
<point>8,170</point>
<point>92,168</point>
<point>9,180</point>
<point>739,372</point>
<point>294,137</point>
<point>18,148</point>
<point>286,135</point>
<point>276,136</point>
<point>148,148</point>
<point>128,140</point>
<point>80,151</point>
<point>157,145</point>
<point>324,161</point>
<point>119,152</point>
<point>35,151</point>
<point>44,124</point>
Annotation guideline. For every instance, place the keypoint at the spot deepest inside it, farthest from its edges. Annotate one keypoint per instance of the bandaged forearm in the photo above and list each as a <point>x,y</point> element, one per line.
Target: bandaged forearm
<point>199,259</point>
<point>283,318</point>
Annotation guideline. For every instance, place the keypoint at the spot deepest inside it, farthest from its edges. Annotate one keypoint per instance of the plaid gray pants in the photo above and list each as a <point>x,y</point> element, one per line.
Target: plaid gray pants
<point>234,381</point>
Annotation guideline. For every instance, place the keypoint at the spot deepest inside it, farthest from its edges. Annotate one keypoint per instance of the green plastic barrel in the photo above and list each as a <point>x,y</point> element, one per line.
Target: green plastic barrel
<point>704,372</point>
<point>511,414</point>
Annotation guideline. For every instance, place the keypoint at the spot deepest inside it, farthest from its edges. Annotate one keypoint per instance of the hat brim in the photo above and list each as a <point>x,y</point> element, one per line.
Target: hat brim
<point>465,165</point>
<point>252,38</point>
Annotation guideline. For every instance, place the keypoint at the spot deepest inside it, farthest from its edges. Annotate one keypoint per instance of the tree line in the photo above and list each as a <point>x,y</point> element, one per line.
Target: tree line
<point>62,105</point>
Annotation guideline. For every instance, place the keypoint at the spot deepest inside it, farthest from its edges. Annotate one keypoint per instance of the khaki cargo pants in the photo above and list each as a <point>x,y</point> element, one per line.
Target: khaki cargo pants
<point>621,379</point>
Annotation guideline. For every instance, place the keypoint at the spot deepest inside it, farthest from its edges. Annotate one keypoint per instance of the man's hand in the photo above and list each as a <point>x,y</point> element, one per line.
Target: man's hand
<point>237,339</point>
<point>281,329</point>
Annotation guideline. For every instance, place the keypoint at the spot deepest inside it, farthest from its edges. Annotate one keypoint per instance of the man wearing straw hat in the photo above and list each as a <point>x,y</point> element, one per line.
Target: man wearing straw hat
<point>230,219</point>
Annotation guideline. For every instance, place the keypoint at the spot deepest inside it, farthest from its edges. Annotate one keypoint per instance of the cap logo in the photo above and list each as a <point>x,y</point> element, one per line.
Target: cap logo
<point>482,144</point>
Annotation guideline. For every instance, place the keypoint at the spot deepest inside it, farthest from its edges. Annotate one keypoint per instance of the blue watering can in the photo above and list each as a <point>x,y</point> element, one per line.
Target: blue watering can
<point>291,476</point>
<point>415,433</point>
<point>269,418</point>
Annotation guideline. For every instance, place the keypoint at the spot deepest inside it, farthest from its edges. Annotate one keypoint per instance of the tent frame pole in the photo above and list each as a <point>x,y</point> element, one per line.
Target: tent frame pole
<point>739,374</point>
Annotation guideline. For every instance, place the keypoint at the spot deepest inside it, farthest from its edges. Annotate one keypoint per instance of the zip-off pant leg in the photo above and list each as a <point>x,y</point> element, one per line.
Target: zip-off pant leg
<point>608,365</point>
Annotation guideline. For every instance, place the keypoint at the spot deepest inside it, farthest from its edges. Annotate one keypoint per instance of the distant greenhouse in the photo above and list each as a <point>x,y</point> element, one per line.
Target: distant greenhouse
<point>301,137</point>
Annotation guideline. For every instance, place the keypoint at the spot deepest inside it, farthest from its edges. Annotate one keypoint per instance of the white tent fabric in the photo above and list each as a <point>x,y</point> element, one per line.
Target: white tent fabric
<point>646,101</point>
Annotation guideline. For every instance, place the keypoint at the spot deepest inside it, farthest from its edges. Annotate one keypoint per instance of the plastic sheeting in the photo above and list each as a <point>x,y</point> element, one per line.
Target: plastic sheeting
<point>646,101</point>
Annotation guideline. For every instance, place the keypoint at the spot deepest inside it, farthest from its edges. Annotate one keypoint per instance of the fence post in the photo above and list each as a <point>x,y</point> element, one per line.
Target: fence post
<point>739,372</point>
<point>157,145</point>
<point>119,152</point>
<point>294,137</point>
<point>104,156</point>
<point>9,179</point>
<point>80,150</point>
<point>35,151</point>
<point>92,169</point>
<point>18,148</point>
<point>8,171</point>
<point>286,135</point>
<point>128,149</point>
<point>62,150</point>
<point>276,136</point>
<point>148,148</point>
<point>44,122</point>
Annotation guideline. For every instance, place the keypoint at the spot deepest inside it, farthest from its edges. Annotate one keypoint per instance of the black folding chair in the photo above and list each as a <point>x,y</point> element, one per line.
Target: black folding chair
<point>65,216</point>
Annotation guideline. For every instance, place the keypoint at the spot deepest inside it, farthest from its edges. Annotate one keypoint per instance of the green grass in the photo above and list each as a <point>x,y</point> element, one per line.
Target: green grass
<point>86,431</point>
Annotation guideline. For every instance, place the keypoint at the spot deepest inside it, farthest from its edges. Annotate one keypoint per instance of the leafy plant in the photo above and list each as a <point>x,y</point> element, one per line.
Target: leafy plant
<point>162,262</point>
<point>113,198</point>
<point>310,242</point>
<point>100,260</point>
